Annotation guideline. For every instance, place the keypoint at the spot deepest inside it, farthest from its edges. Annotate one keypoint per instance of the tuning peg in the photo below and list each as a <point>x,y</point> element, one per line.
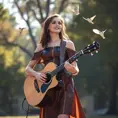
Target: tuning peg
<point>93,41</point>
<point>91,54</point>
<point>96,51</point>
<point>88,45</point>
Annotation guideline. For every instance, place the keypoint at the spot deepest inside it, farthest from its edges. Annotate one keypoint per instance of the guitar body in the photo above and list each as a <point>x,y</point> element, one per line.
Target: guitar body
<point>33,96</point>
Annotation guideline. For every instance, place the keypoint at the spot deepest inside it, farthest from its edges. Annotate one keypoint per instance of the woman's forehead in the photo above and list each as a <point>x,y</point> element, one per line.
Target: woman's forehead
<point>56,19</point>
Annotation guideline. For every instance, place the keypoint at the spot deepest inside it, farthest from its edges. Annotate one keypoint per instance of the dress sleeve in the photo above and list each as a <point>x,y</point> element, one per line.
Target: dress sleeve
<point>37,56</point>
<point>70,52</point>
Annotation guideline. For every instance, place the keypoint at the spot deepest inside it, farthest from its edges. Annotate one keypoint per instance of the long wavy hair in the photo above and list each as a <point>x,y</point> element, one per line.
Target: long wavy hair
<point>45,36</point>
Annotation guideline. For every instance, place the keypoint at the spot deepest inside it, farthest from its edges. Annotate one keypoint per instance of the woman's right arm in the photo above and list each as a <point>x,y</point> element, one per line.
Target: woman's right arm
<point>29,68</point>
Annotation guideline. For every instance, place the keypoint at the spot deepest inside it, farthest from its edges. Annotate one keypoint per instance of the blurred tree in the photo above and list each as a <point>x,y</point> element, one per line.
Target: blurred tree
<point>11,64</point>
<point>111,53</point>
<point>10,82</point>
<point>8,34</point>
<point>37,11</point>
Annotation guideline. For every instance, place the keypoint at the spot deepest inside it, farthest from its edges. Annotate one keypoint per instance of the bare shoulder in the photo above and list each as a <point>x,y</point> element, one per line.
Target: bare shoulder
<point>38,48</point>
<point>33,62</point>
<point>70,44</point>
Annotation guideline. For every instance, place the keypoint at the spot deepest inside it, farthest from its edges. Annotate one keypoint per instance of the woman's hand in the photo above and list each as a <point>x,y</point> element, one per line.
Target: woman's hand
<point>41,76</point>
<point>69,67</point>
<point>72,68</point>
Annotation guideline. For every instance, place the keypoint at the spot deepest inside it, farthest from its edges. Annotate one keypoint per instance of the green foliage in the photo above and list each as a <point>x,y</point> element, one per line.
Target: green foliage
<point>11,65</point>
<point>10,82</point>
<point>3,13</point>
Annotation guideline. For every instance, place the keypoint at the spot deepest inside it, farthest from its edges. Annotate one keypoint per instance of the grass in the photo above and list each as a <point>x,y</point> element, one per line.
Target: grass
<point>38,117</point>
<point>19,117</point>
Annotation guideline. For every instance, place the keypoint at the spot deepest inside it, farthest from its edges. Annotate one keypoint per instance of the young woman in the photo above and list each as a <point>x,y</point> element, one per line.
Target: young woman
<point>64,102</point>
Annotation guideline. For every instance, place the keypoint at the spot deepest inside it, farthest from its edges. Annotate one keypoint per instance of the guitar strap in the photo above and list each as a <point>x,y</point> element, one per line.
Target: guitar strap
<point>62,51</point>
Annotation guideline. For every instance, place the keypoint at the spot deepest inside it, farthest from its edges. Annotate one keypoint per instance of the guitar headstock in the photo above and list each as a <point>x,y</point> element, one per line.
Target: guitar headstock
<point>91,48</point>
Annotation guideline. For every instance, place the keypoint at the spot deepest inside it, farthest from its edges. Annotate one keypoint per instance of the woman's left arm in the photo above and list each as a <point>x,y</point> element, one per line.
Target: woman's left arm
<point>73,67</point>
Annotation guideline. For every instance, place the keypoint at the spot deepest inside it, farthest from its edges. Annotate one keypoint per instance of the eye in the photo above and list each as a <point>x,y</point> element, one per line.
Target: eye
<point>53,22</point>
<point>59,22</point>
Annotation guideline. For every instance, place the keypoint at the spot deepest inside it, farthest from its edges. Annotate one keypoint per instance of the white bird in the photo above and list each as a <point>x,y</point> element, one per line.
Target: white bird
<point>90,20</point>
<point>101,33</point>
<point>76,10</point>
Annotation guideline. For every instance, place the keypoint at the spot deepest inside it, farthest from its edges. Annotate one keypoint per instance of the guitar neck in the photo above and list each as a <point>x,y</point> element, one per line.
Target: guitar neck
<point>76,56</point>
<point>70,60</point>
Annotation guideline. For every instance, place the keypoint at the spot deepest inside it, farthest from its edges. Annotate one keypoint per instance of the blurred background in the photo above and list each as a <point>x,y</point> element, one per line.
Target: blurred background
<point>20,27</point>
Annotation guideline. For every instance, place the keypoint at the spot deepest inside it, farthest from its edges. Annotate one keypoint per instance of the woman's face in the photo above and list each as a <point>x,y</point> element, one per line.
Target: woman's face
<point>55,26</point>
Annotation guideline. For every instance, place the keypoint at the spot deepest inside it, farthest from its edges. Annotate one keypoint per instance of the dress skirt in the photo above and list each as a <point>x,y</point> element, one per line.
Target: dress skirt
<point>63,101</point>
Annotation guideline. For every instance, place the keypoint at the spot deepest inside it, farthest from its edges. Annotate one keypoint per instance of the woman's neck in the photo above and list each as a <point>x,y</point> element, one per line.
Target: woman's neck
<point>54,37</point>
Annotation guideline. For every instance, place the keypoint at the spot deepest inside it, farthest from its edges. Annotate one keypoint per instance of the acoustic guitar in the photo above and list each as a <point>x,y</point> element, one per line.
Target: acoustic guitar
<point>35,91</point>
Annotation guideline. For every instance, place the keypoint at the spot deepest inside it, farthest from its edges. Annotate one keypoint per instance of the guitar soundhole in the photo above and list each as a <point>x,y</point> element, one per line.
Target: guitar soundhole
<point>48,77</point>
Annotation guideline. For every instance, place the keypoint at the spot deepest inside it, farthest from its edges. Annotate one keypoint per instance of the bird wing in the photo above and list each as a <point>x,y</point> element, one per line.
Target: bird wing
<point>93,17</point>
<point>104,31</point>
<point>84,18</point>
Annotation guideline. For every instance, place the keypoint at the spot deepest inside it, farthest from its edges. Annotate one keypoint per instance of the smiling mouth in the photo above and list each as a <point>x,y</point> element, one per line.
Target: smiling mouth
<point>57,28</point>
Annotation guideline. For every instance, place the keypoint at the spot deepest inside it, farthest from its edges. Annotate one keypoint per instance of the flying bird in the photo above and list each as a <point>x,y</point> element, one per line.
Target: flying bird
<point>21,29</point>
<point>101,33</point>
<point>90,20</point>
<point>76,10</point>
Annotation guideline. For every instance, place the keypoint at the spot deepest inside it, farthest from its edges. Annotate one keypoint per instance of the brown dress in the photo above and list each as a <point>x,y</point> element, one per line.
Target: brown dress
<point>64,100</point>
